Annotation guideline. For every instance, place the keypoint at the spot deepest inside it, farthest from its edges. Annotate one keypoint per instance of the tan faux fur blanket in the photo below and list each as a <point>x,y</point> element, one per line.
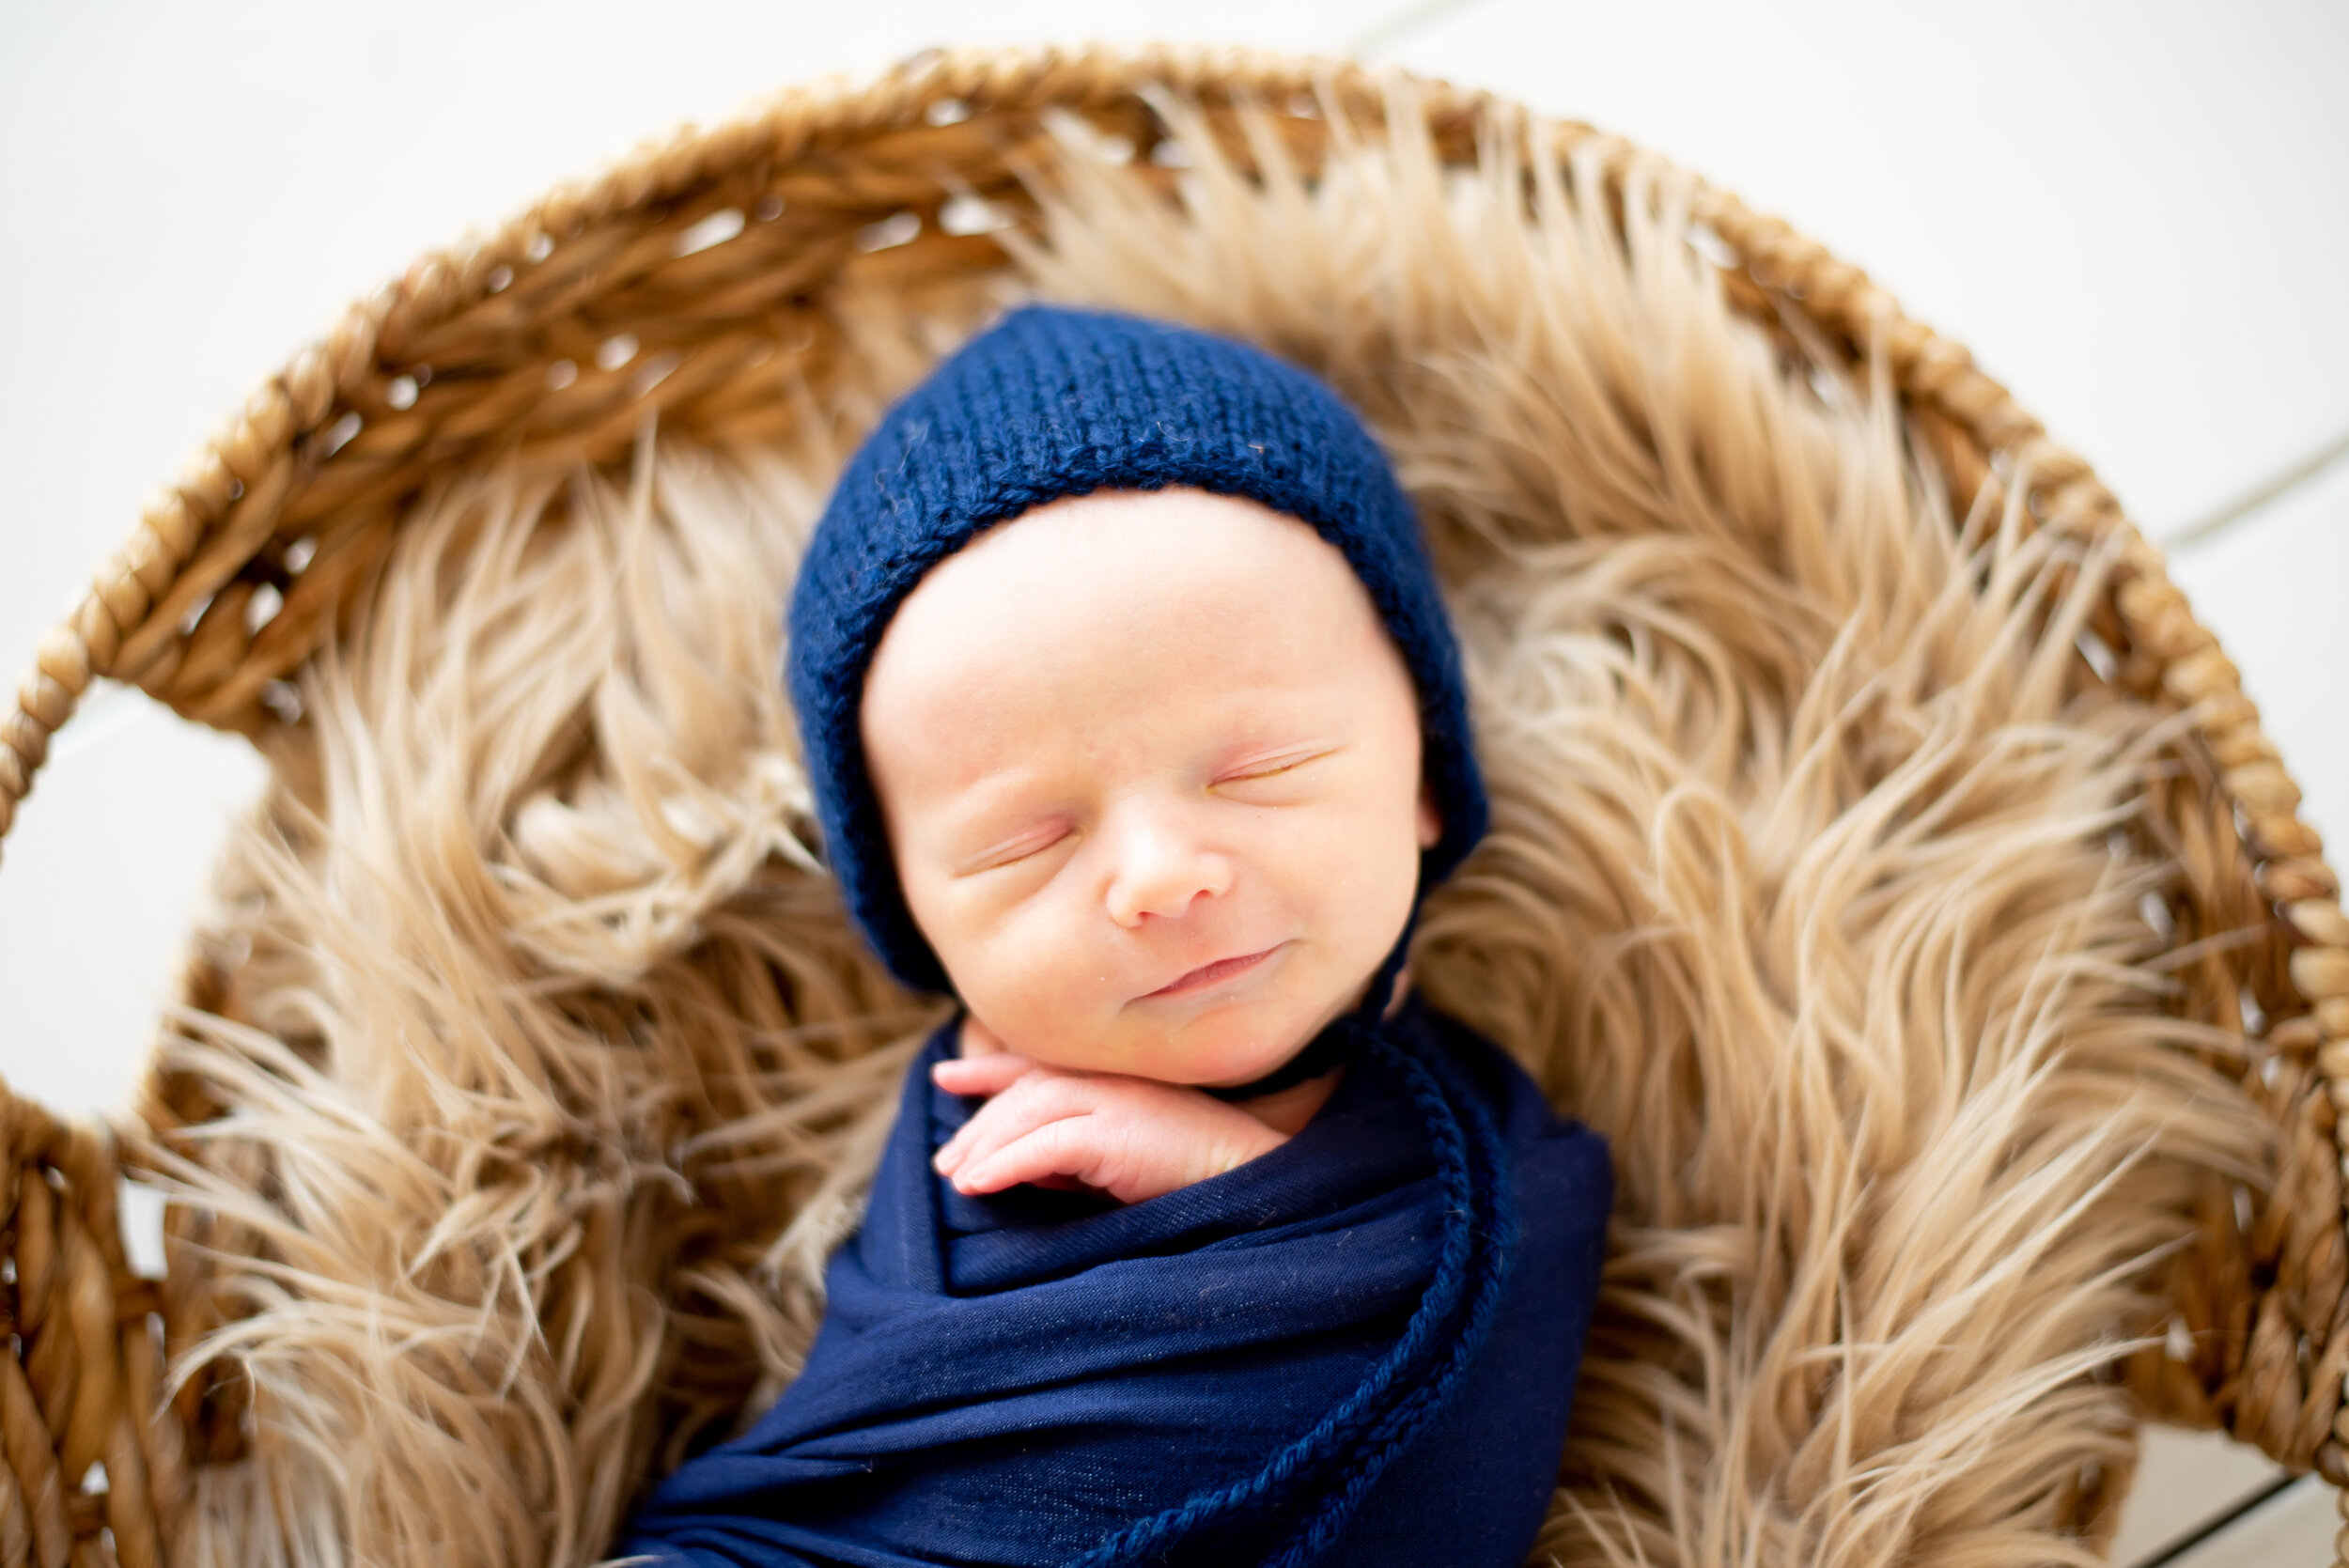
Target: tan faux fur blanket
<point>552,1069</point>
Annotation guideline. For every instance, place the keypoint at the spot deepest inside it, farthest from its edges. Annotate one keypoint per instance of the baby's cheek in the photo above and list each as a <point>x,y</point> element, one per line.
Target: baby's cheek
<point>1036,989</point>
<point>1356,873</point>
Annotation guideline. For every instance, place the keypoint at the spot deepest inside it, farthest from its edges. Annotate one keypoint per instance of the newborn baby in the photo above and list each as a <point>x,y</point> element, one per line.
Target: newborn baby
<point>1159,832</point>
<point>1134,722</point>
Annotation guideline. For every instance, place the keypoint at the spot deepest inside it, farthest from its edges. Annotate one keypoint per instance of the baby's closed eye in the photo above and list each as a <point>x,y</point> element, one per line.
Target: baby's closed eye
<point>1021,846</point>
<point>1277,780</point>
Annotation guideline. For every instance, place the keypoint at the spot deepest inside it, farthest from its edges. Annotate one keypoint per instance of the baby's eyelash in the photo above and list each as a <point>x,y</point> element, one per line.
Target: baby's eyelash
<point>1276,767</point>
<point>1015,850</point>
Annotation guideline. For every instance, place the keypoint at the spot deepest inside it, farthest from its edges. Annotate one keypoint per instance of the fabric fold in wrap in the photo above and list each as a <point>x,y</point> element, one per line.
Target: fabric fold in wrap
<point>1358,1347</point>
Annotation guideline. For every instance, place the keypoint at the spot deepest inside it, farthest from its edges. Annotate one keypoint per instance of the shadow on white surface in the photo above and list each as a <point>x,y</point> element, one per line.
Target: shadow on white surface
<point>2184,1479</point>
<point>2295,1529</point>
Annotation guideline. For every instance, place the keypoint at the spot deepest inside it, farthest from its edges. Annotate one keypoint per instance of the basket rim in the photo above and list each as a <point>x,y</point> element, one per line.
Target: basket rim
<point>195,535</point>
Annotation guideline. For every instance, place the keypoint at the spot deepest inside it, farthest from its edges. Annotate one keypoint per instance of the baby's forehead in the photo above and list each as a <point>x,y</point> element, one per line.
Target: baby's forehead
<point>1209,589</point>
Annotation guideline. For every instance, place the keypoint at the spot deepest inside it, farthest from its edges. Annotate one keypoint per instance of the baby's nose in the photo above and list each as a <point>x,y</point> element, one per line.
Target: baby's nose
<point>1162,871</point>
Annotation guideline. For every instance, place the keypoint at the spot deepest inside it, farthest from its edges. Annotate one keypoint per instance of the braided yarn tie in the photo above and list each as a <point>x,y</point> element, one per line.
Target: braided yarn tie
<point>1363,1434</point>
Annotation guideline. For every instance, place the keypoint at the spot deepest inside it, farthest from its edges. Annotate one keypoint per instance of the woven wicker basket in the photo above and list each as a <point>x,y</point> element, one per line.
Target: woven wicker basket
<point>297,500</point>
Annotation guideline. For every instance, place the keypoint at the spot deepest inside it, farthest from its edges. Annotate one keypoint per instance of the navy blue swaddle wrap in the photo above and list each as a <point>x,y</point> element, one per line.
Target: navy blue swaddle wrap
<point>1360,1346</point>
<point>1237,1371</point>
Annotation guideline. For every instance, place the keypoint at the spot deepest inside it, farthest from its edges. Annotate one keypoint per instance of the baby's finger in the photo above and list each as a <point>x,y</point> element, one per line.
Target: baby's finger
<point>988,1079</point>
<point>984,1075</point>
<point>1060,1148</point>
<point>1035,1100</point>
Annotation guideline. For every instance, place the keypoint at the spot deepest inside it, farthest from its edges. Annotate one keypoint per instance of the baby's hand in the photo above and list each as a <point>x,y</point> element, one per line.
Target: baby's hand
<point>1130,1137</point>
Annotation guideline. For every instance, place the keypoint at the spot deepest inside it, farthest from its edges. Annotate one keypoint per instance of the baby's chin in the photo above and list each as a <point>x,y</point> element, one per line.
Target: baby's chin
<point>1215,1047</point>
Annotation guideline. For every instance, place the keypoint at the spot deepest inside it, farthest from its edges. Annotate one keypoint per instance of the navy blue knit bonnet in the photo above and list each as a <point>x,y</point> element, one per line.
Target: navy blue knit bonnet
<point>1053,402</point>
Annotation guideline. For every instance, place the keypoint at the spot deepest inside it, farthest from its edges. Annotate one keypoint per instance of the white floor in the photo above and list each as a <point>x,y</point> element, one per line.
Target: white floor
<point>2135,213</point>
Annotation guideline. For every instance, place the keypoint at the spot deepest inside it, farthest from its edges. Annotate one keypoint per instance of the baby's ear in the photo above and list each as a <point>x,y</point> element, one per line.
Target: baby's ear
<point>1430,817</point>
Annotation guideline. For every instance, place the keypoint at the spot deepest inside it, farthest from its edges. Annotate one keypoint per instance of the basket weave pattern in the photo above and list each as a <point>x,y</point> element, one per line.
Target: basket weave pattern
<point>606,303</point>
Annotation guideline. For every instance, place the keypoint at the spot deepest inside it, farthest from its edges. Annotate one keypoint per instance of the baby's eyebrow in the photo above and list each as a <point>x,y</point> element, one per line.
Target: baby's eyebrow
<point>996,789</point>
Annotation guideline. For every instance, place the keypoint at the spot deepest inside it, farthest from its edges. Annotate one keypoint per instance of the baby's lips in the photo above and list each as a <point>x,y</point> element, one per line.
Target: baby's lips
<point>1215,970</point>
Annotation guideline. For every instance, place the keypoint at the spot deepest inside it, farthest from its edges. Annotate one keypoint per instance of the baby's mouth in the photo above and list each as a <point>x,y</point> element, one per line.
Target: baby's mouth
<point>1215,973</point>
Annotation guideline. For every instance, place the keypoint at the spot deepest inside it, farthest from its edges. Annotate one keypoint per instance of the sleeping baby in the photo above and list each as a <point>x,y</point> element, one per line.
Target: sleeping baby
<point>1134,722</point>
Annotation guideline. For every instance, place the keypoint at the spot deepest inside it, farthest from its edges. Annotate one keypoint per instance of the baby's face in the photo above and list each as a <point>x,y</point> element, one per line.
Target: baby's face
<point>1150,768</point>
